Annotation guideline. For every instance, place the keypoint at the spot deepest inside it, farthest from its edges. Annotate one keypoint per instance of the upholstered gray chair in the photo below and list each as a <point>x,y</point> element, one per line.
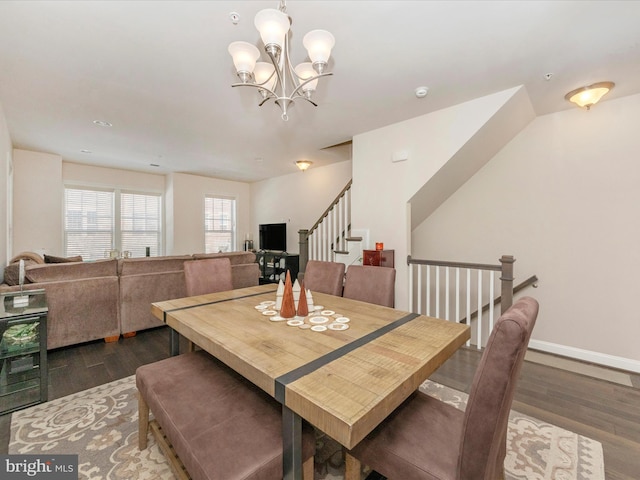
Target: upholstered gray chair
<point>324,277</point>
<point>370,284</point>
<point>429,440</point>
<point>207,276</point>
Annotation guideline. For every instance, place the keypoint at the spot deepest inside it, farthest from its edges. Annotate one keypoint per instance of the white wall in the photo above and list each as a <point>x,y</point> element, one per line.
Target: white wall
<point>5,164</point>
<point>382,189</point>
<point>563,198</point>
<point>186,215</point>
<point>297,199</point>
<point>37,202</point>
<point>88,175</point>
<point>39,180</point>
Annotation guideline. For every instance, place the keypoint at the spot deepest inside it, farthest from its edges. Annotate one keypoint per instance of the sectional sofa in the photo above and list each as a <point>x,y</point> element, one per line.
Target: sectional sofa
<point>108,298</point>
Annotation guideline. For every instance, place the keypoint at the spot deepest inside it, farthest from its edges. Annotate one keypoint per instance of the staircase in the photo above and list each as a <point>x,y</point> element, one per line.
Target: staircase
<point>331,238</point>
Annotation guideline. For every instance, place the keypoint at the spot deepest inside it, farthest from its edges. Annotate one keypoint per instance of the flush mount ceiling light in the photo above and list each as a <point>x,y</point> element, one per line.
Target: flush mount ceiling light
<point>585,97</point>
<point>102,123</point>
<point>303,164</point>
<point>279,79</point>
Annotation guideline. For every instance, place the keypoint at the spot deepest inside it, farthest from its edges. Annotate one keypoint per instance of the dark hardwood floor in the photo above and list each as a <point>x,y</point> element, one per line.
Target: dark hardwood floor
<point>600,409</point>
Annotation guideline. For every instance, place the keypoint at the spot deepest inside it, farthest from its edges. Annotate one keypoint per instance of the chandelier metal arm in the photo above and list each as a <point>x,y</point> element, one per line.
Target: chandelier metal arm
<point>260,86</point>
<point>311,79</point>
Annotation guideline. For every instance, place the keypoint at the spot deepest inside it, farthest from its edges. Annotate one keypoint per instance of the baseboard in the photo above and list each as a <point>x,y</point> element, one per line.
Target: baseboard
<point>612,361</point>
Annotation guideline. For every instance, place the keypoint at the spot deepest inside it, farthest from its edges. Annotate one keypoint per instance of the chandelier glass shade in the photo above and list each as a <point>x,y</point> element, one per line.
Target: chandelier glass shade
<point>277,79</point>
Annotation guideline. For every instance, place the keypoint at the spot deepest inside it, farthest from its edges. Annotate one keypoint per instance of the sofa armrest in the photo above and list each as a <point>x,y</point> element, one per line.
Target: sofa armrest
<point>79,310</point>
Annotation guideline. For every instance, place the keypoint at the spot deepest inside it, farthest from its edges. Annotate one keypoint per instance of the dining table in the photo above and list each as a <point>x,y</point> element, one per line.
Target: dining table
<point>344,368</point>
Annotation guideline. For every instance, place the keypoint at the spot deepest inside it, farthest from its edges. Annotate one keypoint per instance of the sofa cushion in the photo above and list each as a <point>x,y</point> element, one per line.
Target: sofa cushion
<point>236,258</point>
<point>71,271</point>
<point>53,259</point>
<point>137,266</point>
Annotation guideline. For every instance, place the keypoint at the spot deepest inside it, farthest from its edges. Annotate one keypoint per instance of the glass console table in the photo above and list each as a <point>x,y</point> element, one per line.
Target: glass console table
<point>23,349</point>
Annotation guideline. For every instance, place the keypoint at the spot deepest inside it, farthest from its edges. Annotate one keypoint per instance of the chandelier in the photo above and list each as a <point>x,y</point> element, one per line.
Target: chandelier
<point>278,79</point>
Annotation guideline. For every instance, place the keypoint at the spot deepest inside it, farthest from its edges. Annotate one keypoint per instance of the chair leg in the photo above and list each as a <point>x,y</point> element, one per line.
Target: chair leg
<point>307,469</point>
<point>143,422</point>
<point>352,467</point>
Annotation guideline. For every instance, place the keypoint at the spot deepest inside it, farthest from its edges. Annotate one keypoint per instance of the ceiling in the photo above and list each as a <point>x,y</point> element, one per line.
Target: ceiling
<point>160,73</point>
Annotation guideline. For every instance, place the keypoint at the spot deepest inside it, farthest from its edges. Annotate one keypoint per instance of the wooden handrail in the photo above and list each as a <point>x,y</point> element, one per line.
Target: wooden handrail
<point>333,204</point>
<point>440,263</point>
<point>532,280</point>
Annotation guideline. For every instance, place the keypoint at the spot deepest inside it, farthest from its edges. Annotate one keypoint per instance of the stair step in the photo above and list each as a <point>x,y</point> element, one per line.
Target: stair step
<point>353,239</point>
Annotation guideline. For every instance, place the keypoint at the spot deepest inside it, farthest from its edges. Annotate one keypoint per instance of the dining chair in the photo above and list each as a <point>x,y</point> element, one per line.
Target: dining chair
<point>209,275</point>
<point>324,277</point>
<point>428,439</point>
<point>370,284</point>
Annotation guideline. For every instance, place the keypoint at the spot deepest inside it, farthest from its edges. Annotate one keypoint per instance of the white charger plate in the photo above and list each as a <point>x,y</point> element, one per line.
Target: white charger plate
<point>338,326</point>
<point>318,320</point>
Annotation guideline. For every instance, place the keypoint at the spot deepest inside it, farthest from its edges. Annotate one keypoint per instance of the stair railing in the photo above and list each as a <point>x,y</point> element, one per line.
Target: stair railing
<point>330,233</point>
<point>463,292</point>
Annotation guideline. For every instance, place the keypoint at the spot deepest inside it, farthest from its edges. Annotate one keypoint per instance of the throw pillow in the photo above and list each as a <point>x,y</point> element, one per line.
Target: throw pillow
<point>52,259</point>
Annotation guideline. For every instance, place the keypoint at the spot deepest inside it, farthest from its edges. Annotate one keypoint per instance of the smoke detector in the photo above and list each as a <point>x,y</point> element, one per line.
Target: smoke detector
<point>421,92</point>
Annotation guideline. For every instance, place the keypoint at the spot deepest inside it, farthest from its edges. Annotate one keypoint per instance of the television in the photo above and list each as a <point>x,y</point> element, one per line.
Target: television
<point>273,236</point>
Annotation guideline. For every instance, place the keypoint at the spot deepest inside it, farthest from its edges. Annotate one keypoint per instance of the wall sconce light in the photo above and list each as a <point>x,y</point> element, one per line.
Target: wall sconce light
<point>303,164</point>
<point>585,97</point>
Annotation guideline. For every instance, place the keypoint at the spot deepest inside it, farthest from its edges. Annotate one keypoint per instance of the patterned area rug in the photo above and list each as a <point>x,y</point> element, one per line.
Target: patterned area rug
<point>100,425</point>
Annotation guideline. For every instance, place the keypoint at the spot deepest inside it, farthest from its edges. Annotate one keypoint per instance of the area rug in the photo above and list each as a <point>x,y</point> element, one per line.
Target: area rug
<point>100,425</point>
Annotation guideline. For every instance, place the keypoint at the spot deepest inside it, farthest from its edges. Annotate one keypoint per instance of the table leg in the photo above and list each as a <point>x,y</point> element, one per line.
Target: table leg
<point>291,444</point>
<point>174,343</point>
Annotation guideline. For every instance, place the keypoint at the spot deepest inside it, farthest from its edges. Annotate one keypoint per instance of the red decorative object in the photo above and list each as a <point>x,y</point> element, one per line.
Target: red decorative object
<point>303,308</point>
<point>378,258</point>
<point>379,246</point>
<point>288,309</point>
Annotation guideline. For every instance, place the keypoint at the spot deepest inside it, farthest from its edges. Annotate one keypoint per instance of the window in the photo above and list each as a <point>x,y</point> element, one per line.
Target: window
<point>219,224</point>
<point>140,222</point>
<point>97,221</point>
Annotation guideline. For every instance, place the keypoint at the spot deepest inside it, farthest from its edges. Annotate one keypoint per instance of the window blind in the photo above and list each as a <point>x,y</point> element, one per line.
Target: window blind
<point>219,224</point>
<point>98,221</point>
<point>89,223</point>
<point>140,222</point>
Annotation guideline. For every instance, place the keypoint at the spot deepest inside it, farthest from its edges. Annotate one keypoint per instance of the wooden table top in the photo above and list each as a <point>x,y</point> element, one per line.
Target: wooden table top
<point>343,382</point>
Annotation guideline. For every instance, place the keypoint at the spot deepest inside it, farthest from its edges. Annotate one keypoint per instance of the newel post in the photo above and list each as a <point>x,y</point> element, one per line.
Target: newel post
<point>303,243</point>
<point>506,279</point>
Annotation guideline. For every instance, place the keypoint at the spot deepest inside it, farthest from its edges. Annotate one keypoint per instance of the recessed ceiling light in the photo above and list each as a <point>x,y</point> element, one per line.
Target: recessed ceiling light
<point>85,151</point>
<point>102,123</point>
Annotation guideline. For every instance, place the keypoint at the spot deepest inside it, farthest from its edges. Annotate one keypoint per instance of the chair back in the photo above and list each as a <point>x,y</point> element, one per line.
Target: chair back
<point>207,276</point>
<point>324,277</point>
<point>370,284</point>
<point>484,433</point>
